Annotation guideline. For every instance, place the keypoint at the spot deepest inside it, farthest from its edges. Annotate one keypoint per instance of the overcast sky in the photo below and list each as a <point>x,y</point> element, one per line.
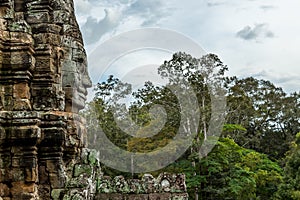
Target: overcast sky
<point>257,38</point>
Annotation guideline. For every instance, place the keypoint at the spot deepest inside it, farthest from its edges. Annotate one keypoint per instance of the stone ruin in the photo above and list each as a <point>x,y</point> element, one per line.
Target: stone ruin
<point>43,81</point>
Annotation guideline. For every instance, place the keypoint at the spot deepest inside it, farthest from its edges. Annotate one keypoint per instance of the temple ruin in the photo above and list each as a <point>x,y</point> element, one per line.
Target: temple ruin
<point>43,82</point>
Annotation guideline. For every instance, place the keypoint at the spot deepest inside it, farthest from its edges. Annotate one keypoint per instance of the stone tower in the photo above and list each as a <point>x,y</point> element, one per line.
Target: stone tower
<point>43,82</point>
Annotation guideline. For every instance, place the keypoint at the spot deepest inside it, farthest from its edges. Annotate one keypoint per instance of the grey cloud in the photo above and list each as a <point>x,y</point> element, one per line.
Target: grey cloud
<point>212,3</point>
<point>258,31</point>
<point>152,11</point>
<point>289,82</point>
<point>144,6</point>
<point>109,3</point>
<point>82,7</point>
<point>267,7</point>
<point>93,29</point>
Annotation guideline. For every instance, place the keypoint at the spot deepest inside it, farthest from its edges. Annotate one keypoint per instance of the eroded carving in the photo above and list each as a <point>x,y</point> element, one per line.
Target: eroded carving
<point>43,85</point>
<point>43,81</point>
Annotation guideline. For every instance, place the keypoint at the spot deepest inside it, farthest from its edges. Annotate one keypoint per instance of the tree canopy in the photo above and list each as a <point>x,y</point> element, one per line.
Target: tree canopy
<point>252,150</point>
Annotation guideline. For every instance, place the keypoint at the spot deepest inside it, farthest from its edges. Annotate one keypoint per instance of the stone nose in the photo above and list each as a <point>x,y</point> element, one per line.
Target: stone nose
<point>87,83</point>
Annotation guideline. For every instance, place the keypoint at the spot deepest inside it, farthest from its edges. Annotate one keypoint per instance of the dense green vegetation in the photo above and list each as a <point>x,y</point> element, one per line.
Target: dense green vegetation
<point>257,155</point>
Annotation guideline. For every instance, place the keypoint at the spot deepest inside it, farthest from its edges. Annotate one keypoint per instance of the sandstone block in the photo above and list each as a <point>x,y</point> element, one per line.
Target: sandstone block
<point>160,196</point>
<point>4,190</point>
<point>21,187</point>
<point>21,91</point>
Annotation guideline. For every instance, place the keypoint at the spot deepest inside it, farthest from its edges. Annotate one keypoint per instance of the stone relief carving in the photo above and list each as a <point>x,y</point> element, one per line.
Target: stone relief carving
<point>43,86</point>
<point>75,78</point>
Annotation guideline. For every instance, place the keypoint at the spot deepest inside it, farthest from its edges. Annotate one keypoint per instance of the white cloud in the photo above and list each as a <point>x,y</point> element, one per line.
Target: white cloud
<point>83,7</point>
<point>267,7</point>
<point>259,31</point>
<point>151,11</point>
<point>288,81</point>
<point>98,18</point>
<point>214,24</point>
<point>93,29</point>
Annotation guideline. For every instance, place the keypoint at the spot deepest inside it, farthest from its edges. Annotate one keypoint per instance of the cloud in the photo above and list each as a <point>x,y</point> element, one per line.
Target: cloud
<point>212,3</point>
<point>119,14</point>
<point>258,31</point>
<point>289,82</point>
<point>151,11</point>
<point>82,7</point>
<point>267,7</point>
<point>93,29</point>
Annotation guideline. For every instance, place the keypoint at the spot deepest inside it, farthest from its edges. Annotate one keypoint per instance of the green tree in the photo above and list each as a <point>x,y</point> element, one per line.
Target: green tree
<point>260,116</point>
<point>203,77</point>
<point>231,172</point>
<point>290,188</point>
<point>270,116</point>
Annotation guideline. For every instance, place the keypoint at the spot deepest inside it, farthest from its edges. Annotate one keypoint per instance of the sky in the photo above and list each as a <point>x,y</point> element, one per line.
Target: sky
<point>257,38</point>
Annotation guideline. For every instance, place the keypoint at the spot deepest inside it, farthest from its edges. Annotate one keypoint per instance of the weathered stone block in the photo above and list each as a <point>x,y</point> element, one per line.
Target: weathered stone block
<point>57,194</point>
<point>46,28</point>
<point>82,169</point>
<point>4,34</point>
<point>20,38</point>
<point>19,6</point>
<point>3,24</point>
<point>61,17</point>
<point>180,196</point>
<point>43,175</point>
<point>179,185</point>
<point>8,90</point>
<point>21,104</point>
<point>15,162</point>
<point>5,163</point>
<point>38,17</point>
<point>53,136</point>
<point>24,132</point>
<point>78,182</point>
<point>6,11</point>
<point>148,183</point>
<point>45,65</point>
<point>16,175</point>
<point>21,90</point>
<point>115,197</point>
<point>57,180</point>
<point>47,38</point>
<point>136,197</point>
<point>8,102</point>
<point>136,186</point>
<point>31,175</point>
<point>44,191</point>
<point>104,185</point>
<point>2,137</point>
<point>160,196</point>
<point>4,190</point>
<point>121,185</point>
<point>53,165</point>
<point>28,161</point>
<point>21,187</point>
<point>24,196</point>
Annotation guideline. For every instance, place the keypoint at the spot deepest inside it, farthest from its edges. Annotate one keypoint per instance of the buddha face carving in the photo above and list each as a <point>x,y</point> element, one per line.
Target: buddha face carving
<point>75,78</point>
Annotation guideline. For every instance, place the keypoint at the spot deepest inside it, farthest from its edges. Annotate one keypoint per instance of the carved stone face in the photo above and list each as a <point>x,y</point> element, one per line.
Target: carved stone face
<point>75,78</point>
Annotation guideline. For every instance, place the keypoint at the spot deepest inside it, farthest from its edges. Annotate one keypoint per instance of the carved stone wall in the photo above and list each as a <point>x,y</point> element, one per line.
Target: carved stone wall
<point>43,81</point>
